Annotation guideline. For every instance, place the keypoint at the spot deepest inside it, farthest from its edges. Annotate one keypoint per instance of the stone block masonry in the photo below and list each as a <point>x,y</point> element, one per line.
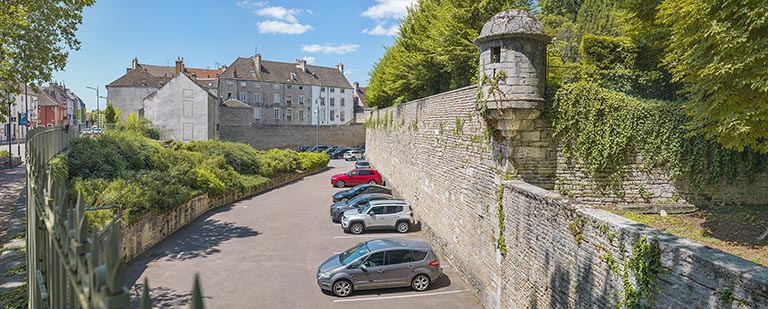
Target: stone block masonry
<point>485,204</point>
<point>291,136</point>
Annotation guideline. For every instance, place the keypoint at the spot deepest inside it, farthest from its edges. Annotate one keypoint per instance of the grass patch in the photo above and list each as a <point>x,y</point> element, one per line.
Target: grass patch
<point>733,229</point>
<point>15,298</point>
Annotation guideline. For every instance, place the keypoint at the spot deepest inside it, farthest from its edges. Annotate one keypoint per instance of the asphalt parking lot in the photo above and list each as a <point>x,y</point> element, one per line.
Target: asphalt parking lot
<point>263,252</point>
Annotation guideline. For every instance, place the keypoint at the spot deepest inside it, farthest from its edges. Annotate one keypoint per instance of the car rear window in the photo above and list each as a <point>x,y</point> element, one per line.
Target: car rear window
<point>418,255</point>
<point>394,209</point>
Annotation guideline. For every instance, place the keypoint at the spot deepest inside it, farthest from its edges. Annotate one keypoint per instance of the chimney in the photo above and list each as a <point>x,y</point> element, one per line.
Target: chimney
<point>357,87</point>
<point>134,63</point>
<point>340,66</point>
<point>179,65</point>
<point>257,63</point>
<point>302,64</point>
<point>223,67</point>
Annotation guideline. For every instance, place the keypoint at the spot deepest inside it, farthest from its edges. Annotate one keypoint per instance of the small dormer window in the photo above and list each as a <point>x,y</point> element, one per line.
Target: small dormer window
<point>495,54</point>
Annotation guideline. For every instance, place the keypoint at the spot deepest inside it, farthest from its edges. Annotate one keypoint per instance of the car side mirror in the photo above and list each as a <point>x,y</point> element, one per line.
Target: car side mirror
<point>363,268</point>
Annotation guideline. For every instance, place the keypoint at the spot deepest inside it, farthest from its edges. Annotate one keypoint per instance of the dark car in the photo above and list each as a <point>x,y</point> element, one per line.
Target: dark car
<point>302,148</point>
<point>362,165</point>
<point>331,149</point>
<point>356,177</point>
<point>315,148</point>
<point>339,153</point>
<point>361,189</point>
<point>338,208</point>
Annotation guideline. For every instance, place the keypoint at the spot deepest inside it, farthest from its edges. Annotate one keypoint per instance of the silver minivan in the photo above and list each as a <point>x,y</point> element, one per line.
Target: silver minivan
<point>380,263</point>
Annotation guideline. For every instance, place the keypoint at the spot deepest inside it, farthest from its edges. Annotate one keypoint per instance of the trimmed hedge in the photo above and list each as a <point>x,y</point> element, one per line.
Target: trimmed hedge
<point>311,160</point>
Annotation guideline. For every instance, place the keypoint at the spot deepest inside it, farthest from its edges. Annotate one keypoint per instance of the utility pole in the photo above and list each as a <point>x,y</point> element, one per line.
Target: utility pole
<point>98,119</point>
<point>10,144</point>
<point>26,110</point>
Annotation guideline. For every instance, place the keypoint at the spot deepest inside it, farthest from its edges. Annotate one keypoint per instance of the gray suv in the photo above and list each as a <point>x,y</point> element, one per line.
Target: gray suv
<point>381,214</point>
<point>380,263</point>
<point>360,201</point>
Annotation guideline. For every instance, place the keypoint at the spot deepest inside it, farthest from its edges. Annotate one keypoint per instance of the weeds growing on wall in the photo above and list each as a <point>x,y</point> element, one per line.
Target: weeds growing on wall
<point>604,129</point>
<point>501,241</point>
<point>645,265</point>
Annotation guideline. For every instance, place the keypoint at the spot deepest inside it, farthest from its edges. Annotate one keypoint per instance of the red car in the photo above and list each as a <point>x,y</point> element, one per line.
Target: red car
<point>356,177</point>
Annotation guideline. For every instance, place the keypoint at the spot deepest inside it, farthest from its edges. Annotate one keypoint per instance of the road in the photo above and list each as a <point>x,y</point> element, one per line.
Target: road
<point>263,252</point>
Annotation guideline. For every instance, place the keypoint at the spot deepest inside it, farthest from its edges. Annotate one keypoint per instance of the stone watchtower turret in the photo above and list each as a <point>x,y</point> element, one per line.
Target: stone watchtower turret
<point>513,58</point>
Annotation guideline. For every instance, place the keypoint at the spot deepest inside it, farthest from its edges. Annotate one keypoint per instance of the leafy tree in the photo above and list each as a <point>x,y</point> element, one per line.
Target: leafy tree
<point>35,39</point>
<point>598,17</point>
<point>110,114</point>
<point>719,52</point>
<point>434,51</point>
<point>568,9</point>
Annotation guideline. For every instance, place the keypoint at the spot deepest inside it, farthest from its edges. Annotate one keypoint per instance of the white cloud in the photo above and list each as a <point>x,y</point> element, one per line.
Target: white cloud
<point>381,30</point>
<point>309,59</point>
<point>281,13</point>
<point>388,9</point>
<point>279,20</point>
<point>328,48</point>
<point>280,27</point>
<point>250,4</point>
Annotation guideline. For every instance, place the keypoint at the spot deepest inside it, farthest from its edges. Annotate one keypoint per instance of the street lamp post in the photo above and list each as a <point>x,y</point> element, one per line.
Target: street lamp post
<point>98,119</point>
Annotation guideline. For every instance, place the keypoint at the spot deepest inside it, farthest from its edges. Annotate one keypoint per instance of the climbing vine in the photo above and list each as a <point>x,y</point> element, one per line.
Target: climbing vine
<point>603,130</point>
<point>481,101</point>
<point>501,242</point>
<point>645,265</point>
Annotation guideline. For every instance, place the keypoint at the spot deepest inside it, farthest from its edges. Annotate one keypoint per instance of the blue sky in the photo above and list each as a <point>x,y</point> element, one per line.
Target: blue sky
<point>207,33</point>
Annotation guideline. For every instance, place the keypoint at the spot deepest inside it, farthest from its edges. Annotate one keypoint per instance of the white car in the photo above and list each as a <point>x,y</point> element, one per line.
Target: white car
<point>353,155</point>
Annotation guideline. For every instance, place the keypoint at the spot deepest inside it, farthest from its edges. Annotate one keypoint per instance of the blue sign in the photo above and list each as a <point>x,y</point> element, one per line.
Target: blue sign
<point>23,119</point>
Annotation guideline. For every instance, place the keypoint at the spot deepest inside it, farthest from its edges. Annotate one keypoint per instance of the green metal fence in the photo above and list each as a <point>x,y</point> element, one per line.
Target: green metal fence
<point>65,268</point>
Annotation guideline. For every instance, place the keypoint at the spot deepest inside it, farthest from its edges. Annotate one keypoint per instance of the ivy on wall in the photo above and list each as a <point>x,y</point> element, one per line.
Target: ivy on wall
<point>604,130</point>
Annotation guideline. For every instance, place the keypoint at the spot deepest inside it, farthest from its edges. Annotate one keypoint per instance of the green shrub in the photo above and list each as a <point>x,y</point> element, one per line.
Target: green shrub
<point>243,158</point>
<point>208,182</point>
<point>311,160</point>
<point>4,153</point>
<point>275,161</point>
<point>108,155</point>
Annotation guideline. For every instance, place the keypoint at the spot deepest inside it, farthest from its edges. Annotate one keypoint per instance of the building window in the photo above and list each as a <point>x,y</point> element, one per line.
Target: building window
<point>289,114</point>
<point>495,54</point>
<point>188,108</point>
<point>257,98</point>
<point>341,116</point>
<point>322,101</point>
<point>243,97</point>
<point>276,99</point>
<point>301,87</point>
<point>289,86</point>
<point>301,99</point>
<point>322,116</point>
<point>333,102</point>
<point>341,102</point>
<point>256,85</point>
<point>331,118</point>
<point>243,84</point>
<point>276,86</point>
<point>277,114</point>
<point>342,90</point>
<point>289,99</point>
<point>333,90</point>
<point>257,113</point>
<point>322,89</point>
<point>301,114</point>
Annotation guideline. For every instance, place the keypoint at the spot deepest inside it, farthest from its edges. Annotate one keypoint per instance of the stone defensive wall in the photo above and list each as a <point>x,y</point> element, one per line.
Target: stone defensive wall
<point>435,153</point>
<point>265,137</point>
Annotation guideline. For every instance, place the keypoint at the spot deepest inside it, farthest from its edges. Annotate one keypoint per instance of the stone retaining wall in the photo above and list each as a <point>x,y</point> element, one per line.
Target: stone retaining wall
<point>292,136</point>
<point>151,229</point>
<point>436,153</point>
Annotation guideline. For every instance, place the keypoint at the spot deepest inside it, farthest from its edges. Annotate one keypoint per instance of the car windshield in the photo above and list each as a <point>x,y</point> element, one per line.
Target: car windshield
<point>355,199</point>
<point>353,253</point>
<point>364,209</point>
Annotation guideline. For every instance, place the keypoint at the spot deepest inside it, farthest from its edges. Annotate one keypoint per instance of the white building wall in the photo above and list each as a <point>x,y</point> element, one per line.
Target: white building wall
<point>128,99</point>
<point>181,110</point>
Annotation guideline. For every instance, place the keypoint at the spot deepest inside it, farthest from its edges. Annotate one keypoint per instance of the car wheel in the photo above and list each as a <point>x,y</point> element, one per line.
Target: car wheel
<point>403,227</point>
<point>356,228</point>
<point>373,182</point>
<point>419,283</point>
<point>342,288</point>
<point>338,219</point>
<point>340,184</point>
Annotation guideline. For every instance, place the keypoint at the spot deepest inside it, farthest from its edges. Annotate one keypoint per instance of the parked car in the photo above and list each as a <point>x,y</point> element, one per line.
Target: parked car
<point>353,155</point>
<point>321,148</point>
<point>315,148</point>
<point>380,263</point>
<point>302,148</point>
<point>381,214</point>
<point>360,201</point>
<point>362,165</point>
<point>356,177</point>
<point>361,189</point>
<point>339,153</point>
<point>331,149</point>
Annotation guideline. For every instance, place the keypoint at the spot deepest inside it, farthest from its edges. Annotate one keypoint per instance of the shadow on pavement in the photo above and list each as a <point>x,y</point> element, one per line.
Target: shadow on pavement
<point>443,282</point>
